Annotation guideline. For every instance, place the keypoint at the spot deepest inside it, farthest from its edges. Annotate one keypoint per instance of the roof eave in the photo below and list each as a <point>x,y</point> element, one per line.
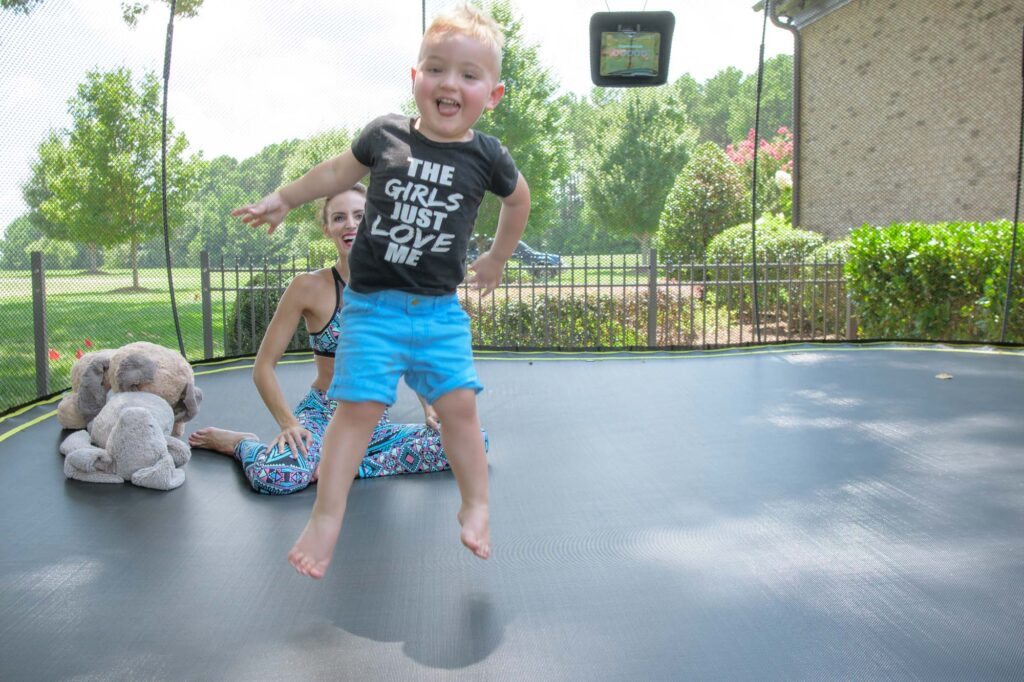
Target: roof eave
<point>800,13</point>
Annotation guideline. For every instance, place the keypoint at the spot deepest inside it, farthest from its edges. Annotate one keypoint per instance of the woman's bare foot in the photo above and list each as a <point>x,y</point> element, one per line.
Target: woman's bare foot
<point>313,550</point>
<point>219,440</point>
<point>476,529</point>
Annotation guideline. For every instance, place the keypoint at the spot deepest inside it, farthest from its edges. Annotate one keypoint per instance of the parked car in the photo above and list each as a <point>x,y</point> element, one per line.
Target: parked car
<point>524,253</point>
<point>530,256</point>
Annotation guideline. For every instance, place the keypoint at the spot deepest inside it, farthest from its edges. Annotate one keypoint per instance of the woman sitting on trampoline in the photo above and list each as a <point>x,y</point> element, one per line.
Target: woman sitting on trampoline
<point>290,462</point>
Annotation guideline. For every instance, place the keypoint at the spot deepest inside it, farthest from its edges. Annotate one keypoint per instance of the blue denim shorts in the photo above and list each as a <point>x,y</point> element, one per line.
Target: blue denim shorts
<point>389,334</point>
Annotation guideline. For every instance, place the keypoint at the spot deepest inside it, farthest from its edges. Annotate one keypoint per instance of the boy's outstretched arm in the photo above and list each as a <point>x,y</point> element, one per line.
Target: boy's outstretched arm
<point>515,209</point>
<point>330,177</point>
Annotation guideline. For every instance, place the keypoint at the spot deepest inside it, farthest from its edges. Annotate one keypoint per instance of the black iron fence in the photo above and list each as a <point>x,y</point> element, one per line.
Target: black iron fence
<point>587,302</point>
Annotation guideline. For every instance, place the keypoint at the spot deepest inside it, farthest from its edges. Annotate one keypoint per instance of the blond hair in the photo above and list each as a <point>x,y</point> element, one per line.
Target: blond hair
<point>358,188</point>
<point>465,19</point>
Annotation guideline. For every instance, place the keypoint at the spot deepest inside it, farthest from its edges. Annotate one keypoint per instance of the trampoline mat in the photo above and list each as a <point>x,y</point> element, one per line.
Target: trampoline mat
<point>783,513</point>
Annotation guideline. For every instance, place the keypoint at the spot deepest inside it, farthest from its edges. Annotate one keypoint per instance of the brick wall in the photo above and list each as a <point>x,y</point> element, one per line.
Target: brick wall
<point>910,111</point>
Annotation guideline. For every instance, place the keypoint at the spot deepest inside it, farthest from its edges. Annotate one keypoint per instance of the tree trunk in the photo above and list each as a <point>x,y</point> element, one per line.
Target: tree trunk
<point>94,263</point>
<point>135,262</point>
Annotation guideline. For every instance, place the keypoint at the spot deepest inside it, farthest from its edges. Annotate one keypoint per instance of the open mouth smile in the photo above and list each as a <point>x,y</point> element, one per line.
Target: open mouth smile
<point>448,106</point>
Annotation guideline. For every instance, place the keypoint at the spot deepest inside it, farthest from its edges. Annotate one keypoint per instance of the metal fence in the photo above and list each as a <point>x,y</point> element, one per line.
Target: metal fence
<point>592,302</point>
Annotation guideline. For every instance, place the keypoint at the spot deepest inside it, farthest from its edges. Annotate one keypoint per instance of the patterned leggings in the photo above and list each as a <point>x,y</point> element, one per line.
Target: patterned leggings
<point>394,449</point>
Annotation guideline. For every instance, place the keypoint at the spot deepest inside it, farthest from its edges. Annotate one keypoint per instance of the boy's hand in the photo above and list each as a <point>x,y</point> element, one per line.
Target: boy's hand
<point>486,273</point>
<point>269,211</point>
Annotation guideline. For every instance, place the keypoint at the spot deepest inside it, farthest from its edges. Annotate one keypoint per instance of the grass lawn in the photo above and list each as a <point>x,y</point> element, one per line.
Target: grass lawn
<point>107,320</point>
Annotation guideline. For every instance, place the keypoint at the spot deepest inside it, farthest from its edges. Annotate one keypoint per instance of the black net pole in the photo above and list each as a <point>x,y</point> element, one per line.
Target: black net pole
<point>753,188</point>
<point>163,179</point>
<point>1016,208</point>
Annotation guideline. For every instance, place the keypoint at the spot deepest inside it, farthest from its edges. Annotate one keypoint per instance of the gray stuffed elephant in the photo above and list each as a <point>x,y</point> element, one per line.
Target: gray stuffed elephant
<point>129,440</point>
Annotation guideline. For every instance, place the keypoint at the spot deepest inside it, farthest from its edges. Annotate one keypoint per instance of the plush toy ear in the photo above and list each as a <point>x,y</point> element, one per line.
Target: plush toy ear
<point>188,407</point>
<point>92,393</point>
<point>134,371</point>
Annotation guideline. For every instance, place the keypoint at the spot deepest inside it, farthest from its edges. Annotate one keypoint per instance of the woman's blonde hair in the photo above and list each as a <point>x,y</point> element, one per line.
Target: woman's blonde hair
<point>465,19</point>
<point>359,188</point>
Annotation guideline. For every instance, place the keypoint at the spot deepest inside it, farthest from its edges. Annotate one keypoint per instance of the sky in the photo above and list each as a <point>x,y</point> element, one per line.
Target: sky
<point>246,73</point>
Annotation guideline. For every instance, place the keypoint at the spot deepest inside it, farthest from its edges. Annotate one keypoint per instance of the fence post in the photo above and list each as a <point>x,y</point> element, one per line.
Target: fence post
<point>204,269</point>
<point>851,323</point>
<point>652,298</point>
<point>39,318</point>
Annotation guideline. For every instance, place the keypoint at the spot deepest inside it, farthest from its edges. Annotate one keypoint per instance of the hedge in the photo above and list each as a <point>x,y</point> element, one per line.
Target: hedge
<point>944,281</point>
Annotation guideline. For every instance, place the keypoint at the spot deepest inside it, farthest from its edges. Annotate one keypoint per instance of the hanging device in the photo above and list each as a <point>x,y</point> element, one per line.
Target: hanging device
<point>630,49</point>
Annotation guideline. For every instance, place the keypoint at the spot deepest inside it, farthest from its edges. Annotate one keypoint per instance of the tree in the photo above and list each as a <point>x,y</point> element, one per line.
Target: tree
<point>706,198</point>
<point>130,10</point>
<point>102,177</point>
<point>713,113</point>
<point>226,185</point>
<point>14,247</point>
<point>528,122</point>
<point>22,6</point>
<point>306,154</point>
<point>776,100</point>
<point>633,164</point>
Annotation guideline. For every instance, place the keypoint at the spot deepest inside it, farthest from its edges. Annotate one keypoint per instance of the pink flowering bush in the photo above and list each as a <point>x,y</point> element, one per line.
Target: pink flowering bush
<point>774,170</point>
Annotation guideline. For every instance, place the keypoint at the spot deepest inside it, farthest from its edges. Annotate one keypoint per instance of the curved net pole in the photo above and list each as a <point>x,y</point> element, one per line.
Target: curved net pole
<point>163,179</point>
<point>1016,210</point>
<point>753,189</point>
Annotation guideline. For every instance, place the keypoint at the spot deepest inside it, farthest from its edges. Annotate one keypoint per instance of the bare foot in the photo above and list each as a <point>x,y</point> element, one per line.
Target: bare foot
<point>219,440</point>
<point>476,529</point>
<point>313,550</point>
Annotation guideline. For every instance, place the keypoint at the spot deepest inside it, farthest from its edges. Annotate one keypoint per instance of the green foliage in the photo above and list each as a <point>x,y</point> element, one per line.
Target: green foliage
<point>831,252</point>
<point>253,309</point>
<point>306,154</point>
<point>226,185</point>
<point>528,121</point>
<point>807,295</point>
<point>777,242</point>
<point>99,182</point>
<point>776,99</point>
<point>707,196</point>
<point>22,6</point>
<point>56,254</point>
<point>548,321</point>
<point>322,253</point>
<point>715,106</point>
<point>944,281</point>
<point>593,321</point>
<point>641,145</point>
<point>131,10</point>
<point>14,247</point>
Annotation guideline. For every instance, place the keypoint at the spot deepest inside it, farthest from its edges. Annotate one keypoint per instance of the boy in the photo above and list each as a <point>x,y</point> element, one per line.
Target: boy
<point>401,314</point>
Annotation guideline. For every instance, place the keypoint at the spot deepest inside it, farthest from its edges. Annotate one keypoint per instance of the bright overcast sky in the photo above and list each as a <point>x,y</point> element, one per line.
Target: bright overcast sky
<point>246,73</point>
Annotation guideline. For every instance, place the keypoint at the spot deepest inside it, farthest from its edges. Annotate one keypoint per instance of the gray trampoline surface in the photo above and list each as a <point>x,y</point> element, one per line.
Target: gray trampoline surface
<point>789,513</point>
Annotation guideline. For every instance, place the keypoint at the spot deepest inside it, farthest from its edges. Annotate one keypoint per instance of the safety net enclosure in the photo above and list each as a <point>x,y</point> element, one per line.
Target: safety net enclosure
<point>887,142</point>
<point>753,375</point>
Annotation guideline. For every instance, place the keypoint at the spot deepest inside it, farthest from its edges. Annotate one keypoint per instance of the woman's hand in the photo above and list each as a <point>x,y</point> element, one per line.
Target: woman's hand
<point>296,438</point>
<point>269,211</point>
<point>430,417</point>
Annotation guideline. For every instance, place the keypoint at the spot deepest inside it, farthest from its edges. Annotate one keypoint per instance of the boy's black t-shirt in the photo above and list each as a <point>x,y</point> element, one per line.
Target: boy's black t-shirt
<point>421,205</point>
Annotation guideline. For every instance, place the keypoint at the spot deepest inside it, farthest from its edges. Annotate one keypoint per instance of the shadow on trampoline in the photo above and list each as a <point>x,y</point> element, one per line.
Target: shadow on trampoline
<point>774,513</point>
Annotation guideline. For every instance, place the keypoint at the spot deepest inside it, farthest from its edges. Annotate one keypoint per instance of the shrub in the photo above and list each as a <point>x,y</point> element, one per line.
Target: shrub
<point>777,242</point>
<point>251,313</point>
<point>707,196</point>
<point>797,291</point>
<point>831,252</point>
<point>321,253</point>
<point>595,321</point>
<point>944,281</point>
